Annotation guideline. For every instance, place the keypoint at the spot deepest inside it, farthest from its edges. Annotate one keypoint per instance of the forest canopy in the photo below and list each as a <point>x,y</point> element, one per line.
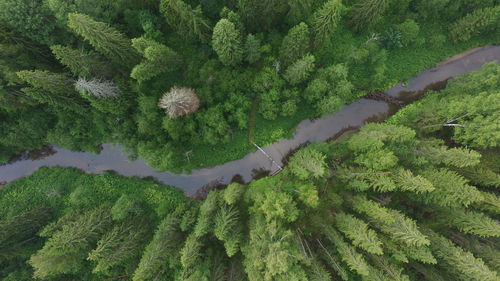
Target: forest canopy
<point>407,199</point>
<point>76,74</point>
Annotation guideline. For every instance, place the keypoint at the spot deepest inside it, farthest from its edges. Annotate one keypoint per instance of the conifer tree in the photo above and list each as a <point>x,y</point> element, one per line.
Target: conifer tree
<point>119,245</point>
<point>354,260</point>
<point>104,38</point>
<point>185,19</point>
<point>162,251</point>
<point>252,49</point>
<point>325,20</point>
<point>65,250</point>
<point>478,21</point>
<point>80,62</point>
<point>300,70</point>
<point>295,45</point>
<point>367,12</point>
<point>226,42</point>
<point>359,232</point>
<point>461,263</point>
<point>206,216</point>
<point>159,59</point>
<point>308,163</point>
<point>471,222</point>
<point>51,88</point>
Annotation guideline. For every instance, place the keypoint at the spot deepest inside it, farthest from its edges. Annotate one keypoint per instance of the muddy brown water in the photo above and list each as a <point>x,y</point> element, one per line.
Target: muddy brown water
<point>349,118</point>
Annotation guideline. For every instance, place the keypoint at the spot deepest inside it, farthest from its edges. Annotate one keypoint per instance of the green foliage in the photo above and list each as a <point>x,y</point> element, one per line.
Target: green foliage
<point>185,19</point>
<point>300,70</point>
<point>80,62</point>
<point>366,13</point>
<point>326,19</point>
<point>308,163</point>
<point>472,222</point>
<point>478,21</point>
<point>461,263</point>
<point>104,38</point>
<point>159,59</point>
<point>295,45</point>
<point>409,31</point>
<point>29,18</point>
<point>358,231</point>
<point>252,49</point>
<point>226,42</point>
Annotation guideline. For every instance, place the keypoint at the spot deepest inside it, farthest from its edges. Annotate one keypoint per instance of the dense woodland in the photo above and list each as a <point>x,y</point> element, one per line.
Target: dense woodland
<point>413,198</point>
<point>187,84</point>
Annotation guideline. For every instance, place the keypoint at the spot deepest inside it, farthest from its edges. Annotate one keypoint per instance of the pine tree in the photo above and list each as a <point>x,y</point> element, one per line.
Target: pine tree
<point>463,264</point>
<point>325,20</point>
<point>308,163</point>
<point>186,20</point>
<point>179,101</point>
<point>119,245</point>
<point>452,189</point>
<point>252,49</point>
<point>51,88</point>
<point>162,251</point>
<point>359,232</point>
<point>478,21</point>
<point>300,70</point>
<point>20,229</point>
<point>367,12</point>
<point>65,250</point>
<point>104,38</point>
<point>226,42</point>
<point>354,260</point>
<point>295,45</point>
<point>471,222</point>
<point>371,209</point>
<point>80,62</point>
<point>227,228</point>
<point>233,193</point>
<point>208,210</point>
<point>159,59</point>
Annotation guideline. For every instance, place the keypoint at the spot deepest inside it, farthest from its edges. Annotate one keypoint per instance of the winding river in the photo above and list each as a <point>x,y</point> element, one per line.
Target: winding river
<point>349,118</point>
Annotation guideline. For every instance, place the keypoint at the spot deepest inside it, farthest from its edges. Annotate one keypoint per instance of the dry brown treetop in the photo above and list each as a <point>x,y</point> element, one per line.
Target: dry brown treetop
<point>179,101</point>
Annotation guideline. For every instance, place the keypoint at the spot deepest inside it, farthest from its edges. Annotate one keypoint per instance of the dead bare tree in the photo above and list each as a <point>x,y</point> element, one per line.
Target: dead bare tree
<point>179,101</point>
<point>97,87</point>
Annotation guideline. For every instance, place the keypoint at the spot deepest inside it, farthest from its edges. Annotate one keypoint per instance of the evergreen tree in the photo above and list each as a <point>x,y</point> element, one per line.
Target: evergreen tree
<point>252,49</point>
<point>358,231</point>
<point>186,20</point>
<point>104,38</point>
<point>226,42</point>
<point>300,70</point>
<point>208,210</point>
<point>471,222</point>
<point>159,59</point>
<point>325,20</point>
<point>367,12</point>
<point>162,251</point>
<point>478,21</point>
<point>308,163</point>
<point>80,62</point>
<point>65,250</point>
<point>461,263</point>
<point>295,45</point>
<point>117,246</point>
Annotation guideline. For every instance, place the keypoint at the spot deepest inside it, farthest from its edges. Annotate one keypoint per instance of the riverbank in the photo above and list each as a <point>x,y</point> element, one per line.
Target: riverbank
<point>349,117</point>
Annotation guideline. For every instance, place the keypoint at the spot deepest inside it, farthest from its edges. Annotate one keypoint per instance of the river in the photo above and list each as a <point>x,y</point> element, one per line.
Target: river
<point>349,118</point>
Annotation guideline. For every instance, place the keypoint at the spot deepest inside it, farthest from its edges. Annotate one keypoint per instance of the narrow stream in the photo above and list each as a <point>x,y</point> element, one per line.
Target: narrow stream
<point>350,117</point>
